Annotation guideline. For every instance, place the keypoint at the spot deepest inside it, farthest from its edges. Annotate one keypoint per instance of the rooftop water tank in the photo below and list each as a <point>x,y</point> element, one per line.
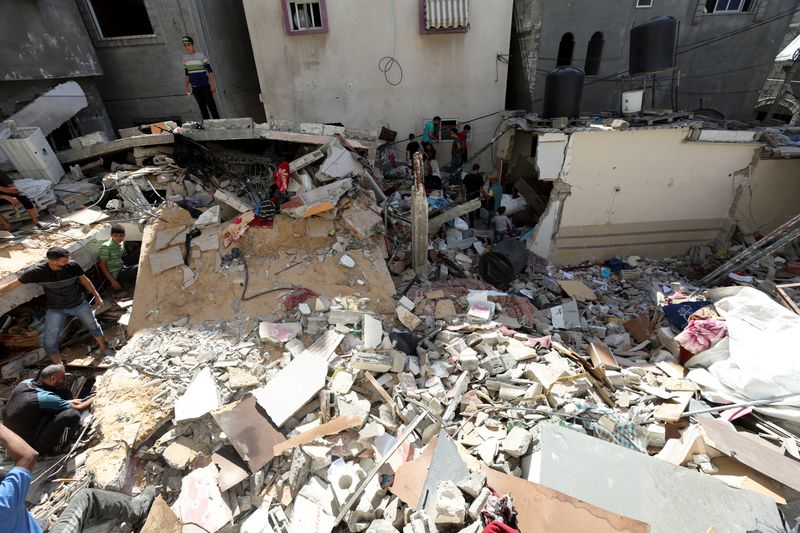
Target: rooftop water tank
<point>563,93</point>
<point>653,46</point>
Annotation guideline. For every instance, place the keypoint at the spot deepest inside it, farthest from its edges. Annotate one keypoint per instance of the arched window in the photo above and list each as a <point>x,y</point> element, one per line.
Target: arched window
<point>594,53</point>
<point>565,49</point>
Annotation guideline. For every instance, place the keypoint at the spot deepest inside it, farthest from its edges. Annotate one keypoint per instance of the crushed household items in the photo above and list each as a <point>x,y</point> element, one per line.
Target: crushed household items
<point>303,355</point>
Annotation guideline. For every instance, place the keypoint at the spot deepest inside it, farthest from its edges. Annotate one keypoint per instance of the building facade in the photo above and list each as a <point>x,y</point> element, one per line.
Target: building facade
<point>726,49</point>
<point>126,56</point>
<point>368,64</point>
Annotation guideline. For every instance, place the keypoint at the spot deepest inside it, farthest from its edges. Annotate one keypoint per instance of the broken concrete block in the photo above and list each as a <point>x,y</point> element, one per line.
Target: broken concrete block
<point>322,304</point>
<point>656,435</point>
<point>473,484</point>
<point>342,381</point>
<point>406,302</point>
<point>210,217</point>
<point>517,442</point>
<point>279,331</point>
<point>407,318</point>
<point>200,501</point>
<point>374,362</point>
<point>180,454</point>
<point>477,504</point>
<point>344,477</point>
<point>165,260</point>
<point>444,309</point>
<point>310,517</point>
<point>295,347</point>
<point>361,222</point>
<point>381,526</point>
<point>201,397</point>
<point>449,505</point>
<point>292,387</point>
<point>372,332</point>
<point>231,200</point>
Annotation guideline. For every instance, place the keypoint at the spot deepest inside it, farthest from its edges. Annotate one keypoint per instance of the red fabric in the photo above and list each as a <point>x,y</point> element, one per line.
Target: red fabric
<point>282,176</point>
<point>499,527</point>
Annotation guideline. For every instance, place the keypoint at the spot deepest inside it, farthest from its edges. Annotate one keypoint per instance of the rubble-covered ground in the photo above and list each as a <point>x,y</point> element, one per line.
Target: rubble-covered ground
<point>576,399</point>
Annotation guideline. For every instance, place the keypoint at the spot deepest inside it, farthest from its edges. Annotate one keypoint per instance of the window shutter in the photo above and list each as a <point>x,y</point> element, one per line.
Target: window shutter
<point>446,14</point>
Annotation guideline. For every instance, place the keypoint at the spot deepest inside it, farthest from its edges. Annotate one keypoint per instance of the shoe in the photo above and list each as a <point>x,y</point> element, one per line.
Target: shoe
<point>142,504</point>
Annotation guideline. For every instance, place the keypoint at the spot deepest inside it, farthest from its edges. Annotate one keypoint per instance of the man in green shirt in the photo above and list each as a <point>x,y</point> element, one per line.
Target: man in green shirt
<point>111,261</point>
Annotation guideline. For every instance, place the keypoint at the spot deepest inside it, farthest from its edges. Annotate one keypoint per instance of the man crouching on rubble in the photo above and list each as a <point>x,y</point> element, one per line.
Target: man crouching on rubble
<point>87,504</point>
<point>62,280</point>
<point>43,413</point>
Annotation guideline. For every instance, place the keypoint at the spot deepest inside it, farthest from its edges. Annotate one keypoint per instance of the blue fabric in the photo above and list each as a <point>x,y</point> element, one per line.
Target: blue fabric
<point>14,517</point>
<point>678,314</point>
<point>51,402</point>
<point>54,322</point>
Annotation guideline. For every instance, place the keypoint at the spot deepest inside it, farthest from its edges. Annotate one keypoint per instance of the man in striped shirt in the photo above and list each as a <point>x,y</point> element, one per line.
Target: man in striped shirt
<point>199,79</point>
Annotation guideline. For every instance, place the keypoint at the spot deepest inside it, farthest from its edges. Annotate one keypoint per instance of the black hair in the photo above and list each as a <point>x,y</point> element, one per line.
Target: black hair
<point>410,136</point>
<point>454,130</point>
<point>57,252</point>
<point>467,127</point>
<point>437,117</point>
<point>501,210</point>
<point>476,166</point>
<point>116,229</point>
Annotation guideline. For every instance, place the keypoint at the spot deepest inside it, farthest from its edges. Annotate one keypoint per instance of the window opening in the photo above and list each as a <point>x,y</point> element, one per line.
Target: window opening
<point>120,18</point>
<point>565,49</point>
<point>594,53</point>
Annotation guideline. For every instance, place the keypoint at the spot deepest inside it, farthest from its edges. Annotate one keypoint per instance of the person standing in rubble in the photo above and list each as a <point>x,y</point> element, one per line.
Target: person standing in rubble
<point>494,196</point>
<point>43,413</point>
<point>112,260</point>
<point>456,157</point>
<point>432,130</point>
<point>199,79</point>
<point>62,280</point>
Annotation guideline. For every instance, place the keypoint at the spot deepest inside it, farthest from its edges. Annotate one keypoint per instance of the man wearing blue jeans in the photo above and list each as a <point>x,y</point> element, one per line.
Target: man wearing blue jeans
<point>61,280</point>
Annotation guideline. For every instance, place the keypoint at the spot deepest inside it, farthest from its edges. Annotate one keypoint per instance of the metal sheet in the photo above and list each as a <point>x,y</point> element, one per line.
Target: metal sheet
<point>250,432</point>
<point>446,14</point>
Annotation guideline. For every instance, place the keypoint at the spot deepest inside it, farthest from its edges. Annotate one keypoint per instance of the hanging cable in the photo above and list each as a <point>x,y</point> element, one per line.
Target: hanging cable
<point>386,65</point>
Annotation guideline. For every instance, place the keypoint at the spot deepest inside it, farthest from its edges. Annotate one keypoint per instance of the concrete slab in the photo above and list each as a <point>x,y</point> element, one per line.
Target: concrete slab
<point>200,398</point>
<point>165,260</point>
<point>52,109</point>
<point>292,387</point>
<point>668,497</point>
<point>200,501</point>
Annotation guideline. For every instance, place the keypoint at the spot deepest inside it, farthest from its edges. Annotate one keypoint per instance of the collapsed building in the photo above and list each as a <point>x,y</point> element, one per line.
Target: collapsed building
<point>314,344</point>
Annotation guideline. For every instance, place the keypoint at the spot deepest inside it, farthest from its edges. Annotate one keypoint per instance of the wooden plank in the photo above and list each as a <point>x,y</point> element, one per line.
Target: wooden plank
<point>337,425</point>
<point>671,411</point>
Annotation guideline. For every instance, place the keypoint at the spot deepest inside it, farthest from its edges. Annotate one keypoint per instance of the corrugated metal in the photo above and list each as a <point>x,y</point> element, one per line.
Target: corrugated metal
<point>446,14</point>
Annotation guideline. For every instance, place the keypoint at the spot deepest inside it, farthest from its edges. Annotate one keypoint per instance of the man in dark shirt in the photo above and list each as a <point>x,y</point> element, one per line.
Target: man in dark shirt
<point>42,411</point>
<point>456,157</point>
<point>473,184</point>
<point>11,194</point>
<point>60,278</point>
<point>411,148</point>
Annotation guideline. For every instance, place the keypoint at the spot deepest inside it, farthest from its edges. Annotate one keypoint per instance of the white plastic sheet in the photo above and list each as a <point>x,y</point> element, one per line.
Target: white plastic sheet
<point>763,356</point>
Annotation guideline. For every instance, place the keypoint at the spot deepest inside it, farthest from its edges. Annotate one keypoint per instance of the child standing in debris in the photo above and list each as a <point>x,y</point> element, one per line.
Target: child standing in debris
<point>411,148</point>
<point>495,196</point>
<point>200,77</point>
<point>501,225</point>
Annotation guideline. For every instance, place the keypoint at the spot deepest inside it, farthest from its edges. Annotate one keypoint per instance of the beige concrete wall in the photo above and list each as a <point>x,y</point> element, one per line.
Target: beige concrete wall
<point>334,77</point>
<point>775,185</point>
<point>645,192</point>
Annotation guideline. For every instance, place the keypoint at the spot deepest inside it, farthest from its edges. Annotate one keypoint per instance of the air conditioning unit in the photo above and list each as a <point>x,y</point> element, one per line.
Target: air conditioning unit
<point>31,154</point>
<point>632,102</point>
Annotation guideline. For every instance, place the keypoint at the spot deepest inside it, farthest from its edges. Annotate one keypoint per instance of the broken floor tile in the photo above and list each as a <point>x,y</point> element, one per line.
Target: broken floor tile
<point>292,387</point>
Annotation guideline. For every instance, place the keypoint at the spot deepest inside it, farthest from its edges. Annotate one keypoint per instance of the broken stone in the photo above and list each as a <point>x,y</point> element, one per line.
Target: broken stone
<point>517,442</point>
<point>444,309</point>
<point>279,331</point>
<point>449,506</point>
<point>179,454</point>
<point>374,362</point>
<point>479,502</point>
<point>473,484</point>
<point>347,261</point>
<point>373,332</point>
<point>407,318</point>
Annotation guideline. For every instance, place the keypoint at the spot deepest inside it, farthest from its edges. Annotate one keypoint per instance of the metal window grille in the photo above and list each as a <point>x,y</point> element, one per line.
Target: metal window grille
<point>305,16</point>
<point>446,14</point>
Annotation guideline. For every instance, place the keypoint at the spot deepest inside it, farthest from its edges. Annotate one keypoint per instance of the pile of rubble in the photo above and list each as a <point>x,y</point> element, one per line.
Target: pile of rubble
<point>442,417</point>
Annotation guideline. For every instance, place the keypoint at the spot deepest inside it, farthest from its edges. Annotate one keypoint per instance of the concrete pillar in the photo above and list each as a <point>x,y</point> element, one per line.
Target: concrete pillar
<point>419,220</point>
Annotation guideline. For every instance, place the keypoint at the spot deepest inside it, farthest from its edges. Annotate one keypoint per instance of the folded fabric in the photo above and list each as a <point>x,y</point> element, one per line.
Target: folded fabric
<point>499,527</point>
<point>700,335</point>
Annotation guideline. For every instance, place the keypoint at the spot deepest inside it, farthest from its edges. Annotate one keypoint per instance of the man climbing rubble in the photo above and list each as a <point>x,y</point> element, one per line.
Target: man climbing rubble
<point>42,411</point>
<point>60,278</point>
<point>86,505</point>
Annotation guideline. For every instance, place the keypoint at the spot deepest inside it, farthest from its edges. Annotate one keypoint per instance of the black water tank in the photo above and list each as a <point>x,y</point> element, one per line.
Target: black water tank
<point>563,93</point>
<point>504,263</point>
<point>653,45</point>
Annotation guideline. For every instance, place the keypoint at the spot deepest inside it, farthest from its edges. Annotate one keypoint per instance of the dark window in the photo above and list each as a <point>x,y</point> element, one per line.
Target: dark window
<point>305,17</point>
<point>565,49</point>
<point>644,3</point>
<point>120,18</point>
<point>594,53</point>
<point>728,6</point>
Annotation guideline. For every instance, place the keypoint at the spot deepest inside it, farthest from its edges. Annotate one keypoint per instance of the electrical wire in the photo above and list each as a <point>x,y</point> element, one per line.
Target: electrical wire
<point>386,65</point>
